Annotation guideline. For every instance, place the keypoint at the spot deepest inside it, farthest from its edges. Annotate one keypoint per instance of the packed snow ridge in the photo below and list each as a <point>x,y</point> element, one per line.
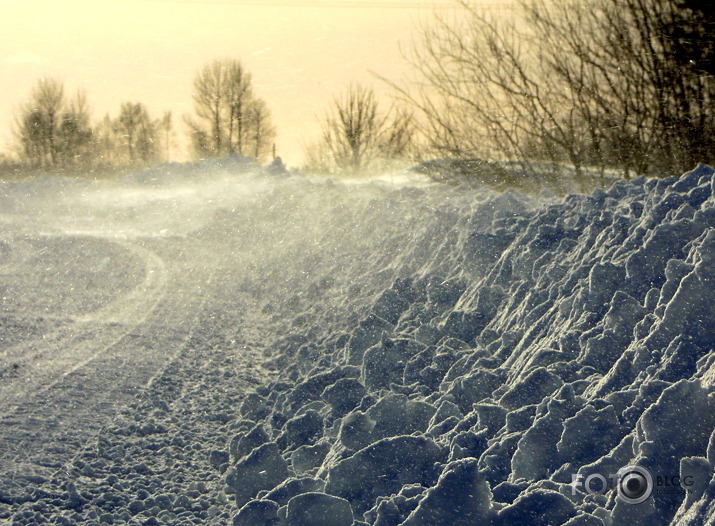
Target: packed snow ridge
<point>585,347</point>
<point>440,357</point>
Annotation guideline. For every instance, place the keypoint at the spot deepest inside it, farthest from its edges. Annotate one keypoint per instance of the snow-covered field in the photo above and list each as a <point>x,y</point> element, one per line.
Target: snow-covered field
<point>213,344</point>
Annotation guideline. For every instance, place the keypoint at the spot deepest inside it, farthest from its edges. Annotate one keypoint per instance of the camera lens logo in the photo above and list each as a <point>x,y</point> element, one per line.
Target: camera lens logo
<point>635,484</point>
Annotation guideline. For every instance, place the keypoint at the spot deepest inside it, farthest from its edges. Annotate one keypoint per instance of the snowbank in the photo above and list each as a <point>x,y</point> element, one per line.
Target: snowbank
<point>582,344</point>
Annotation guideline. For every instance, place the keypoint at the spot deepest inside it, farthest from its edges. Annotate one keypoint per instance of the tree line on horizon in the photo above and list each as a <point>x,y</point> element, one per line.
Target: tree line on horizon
<point>54,131</point>
<point>604,85</point>
<point>624,86</point>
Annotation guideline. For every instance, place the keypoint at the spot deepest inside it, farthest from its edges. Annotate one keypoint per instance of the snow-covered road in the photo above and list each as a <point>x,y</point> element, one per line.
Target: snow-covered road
<point>62,385</point>
<point>207,344</point>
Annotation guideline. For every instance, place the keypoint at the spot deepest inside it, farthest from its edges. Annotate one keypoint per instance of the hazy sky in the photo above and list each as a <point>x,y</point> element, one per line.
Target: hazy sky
<point>300,53</point>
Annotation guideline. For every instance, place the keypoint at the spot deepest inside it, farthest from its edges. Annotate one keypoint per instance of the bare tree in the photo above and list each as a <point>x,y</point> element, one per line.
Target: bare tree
<point>107,151</point>
<point>239,96</point>
<point>356,134</point>
<point>226,111</point>
<point>75,134</point>
<point>201,144</point>
<point>137,133</point>
<point>210,101</point>
<point>639,68</point>
<point>52,131</point>
<point>261,129</point>
<point>37,126</point>
<point>606,83</point>
<point>166,125</point>
<point>482,92</point>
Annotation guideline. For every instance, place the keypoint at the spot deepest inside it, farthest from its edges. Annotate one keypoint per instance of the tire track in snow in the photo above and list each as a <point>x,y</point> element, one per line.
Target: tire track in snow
<point>47,430</point>
<point>44,363</point>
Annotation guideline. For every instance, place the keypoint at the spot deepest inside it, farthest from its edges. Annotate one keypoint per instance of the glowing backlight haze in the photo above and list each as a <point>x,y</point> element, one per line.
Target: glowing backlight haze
<point>300,53</point>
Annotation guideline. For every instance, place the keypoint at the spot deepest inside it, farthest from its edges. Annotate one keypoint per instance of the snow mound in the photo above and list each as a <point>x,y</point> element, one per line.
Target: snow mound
<point>510,353</point>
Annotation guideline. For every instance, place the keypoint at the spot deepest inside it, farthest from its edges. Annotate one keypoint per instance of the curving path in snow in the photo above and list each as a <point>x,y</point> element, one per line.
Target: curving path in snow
<point>60,387</point>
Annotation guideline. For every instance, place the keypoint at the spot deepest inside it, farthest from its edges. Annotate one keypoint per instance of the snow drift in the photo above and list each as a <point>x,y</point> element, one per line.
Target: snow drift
<point>514,353</point>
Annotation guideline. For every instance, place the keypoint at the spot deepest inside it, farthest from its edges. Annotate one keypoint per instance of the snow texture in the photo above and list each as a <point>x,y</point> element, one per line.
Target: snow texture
<point>430,355</point>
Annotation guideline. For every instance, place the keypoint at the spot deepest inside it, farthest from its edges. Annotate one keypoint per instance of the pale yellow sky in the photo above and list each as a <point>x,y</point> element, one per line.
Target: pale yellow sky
<point>300,53</point>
